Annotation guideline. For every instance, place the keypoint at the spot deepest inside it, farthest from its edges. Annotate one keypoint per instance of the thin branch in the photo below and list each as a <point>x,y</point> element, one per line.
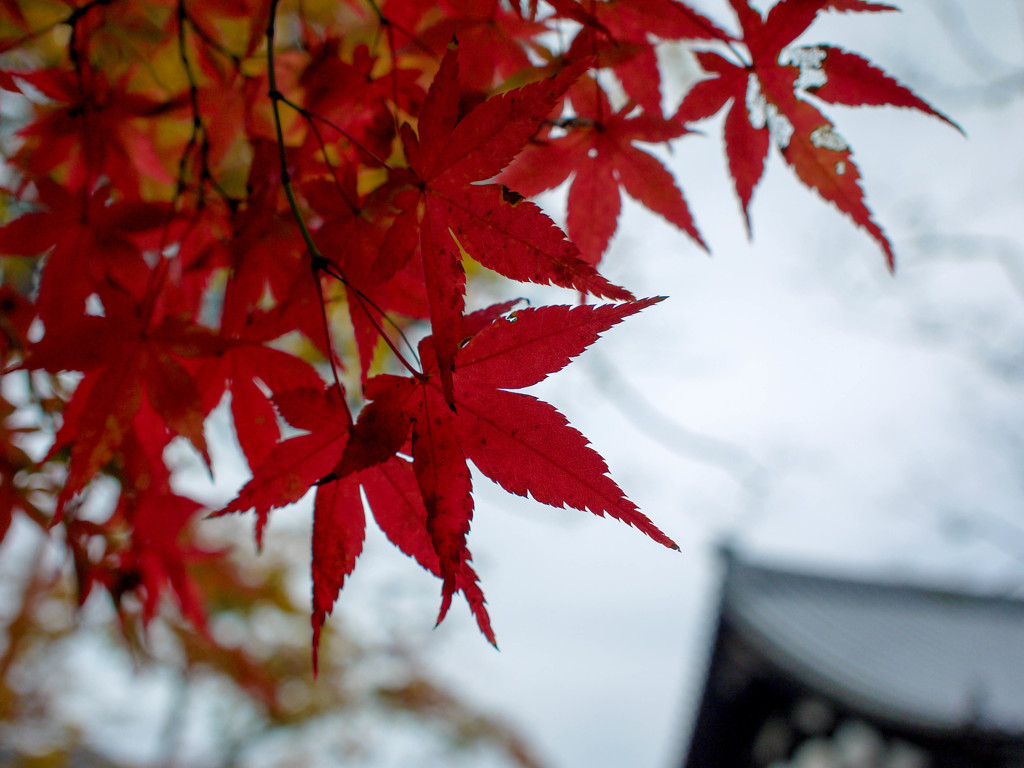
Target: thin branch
<point>388,24</point>
<point>200,136</point>
<point>319,261</point>
<point>365,301</point>
<point>72,21</point>
<point>311,116</point>
<point>193,97</point>
<point>335,272</point>
<point>212,42</point>
<point>331,354</point>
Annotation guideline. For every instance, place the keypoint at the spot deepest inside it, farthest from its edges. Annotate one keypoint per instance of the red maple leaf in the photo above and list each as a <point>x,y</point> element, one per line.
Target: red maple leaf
<point>446,212</point>
<point>294,466</point>
<point>493,40</point>
<point>93,244</point>
<point>339,525</point>
<point>310,460</point>
<point>350,237</point>
<point>618,33</point>
<point>159,552</point>
<point>599,151</point>
<point>770,101</point>
<point>124,356</point>
<point>425,505</point>
<point>15,466</point>
<point>248,370</point>
<point>521,443</point>
<point>94,132</point>
<point>342,91</point>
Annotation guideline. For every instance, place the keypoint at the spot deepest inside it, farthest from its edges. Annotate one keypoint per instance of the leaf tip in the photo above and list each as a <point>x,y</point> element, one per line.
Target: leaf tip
<point>642,304</point>
<point>447,590</point>
<point>890,254</point>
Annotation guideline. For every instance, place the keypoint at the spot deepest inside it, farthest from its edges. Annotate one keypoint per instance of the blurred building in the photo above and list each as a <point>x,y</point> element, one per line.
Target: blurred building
<point>817,671</point>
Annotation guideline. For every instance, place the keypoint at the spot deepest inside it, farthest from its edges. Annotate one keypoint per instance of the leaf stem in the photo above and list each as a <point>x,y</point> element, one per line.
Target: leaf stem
<point>319,261</point>
<point>365,300</point>
<point>311,116</point>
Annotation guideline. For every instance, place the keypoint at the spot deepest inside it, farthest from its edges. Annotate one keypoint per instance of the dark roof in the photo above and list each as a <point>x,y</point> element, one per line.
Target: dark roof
<point>932,659</point>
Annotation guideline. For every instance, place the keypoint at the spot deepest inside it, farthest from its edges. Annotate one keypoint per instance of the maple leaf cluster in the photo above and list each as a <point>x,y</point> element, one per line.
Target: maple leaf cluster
<point>252,201</point>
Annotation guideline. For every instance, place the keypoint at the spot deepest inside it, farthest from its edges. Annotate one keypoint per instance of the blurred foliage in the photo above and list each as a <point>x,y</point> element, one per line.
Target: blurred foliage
<point>251,669</point>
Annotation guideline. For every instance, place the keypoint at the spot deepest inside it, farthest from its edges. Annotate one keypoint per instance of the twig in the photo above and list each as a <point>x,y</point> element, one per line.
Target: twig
<point>319,261</point>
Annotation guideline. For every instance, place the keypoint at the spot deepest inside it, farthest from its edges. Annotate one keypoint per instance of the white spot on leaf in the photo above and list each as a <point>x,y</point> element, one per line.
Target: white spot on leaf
<point>755,102</point>
<point>761,113</point>
<point>810,61</point>
<point>780,127</point>
<point>824,137</point>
